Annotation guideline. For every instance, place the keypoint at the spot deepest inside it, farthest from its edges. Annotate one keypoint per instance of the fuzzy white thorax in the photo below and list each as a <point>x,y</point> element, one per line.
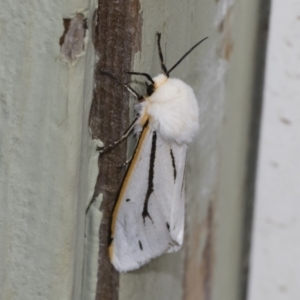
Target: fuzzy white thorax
<point>173,110</point>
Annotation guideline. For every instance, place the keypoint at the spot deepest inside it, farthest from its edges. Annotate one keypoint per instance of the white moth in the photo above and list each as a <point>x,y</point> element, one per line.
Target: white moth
<point>148,219</point>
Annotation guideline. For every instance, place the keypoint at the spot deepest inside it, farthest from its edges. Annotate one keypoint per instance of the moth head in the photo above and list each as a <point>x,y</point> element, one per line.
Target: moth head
<point>150,89</point>
<point>158,81</point>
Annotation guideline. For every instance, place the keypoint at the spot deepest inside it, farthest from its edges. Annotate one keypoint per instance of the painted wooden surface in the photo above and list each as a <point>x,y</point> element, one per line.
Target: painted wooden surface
<point>49,163</point>
<point>275,272</point>
<point>223,74</point>
<point>46,150</point>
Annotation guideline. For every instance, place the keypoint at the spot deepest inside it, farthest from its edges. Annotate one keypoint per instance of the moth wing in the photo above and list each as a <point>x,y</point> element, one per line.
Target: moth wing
<point>139,227</point>
<point>178,199</point>
<point>169,188</point>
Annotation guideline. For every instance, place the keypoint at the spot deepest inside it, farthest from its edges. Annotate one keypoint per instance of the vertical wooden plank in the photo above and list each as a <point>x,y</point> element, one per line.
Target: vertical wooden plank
<point>46,149</point>
<point>117,37</point>
<point>275,272</point>
<point>253,135</point>
<point>224,73</point>
<point>182,24</point>
<point>243,49</point>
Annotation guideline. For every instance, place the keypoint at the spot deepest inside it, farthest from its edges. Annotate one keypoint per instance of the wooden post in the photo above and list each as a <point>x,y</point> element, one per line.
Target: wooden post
<point>117,37</point>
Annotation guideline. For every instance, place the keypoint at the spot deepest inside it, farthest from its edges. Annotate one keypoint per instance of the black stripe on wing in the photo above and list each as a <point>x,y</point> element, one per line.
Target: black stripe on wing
<point>150,189</point>
<point>173,164</point>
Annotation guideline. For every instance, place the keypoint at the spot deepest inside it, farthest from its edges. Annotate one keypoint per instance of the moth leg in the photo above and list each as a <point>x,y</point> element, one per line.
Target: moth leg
<point>123,165</point>
<point>128,161</point>
<point>122,138</point>
<point>125,85</point>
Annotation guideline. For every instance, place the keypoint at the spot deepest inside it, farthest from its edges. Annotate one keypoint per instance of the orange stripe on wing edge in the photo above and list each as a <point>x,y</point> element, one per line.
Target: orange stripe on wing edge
<point>126,181</point>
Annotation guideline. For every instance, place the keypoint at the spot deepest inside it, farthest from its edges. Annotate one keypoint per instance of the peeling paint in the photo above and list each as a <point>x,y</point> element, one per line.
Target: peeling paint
<point>200,259</point>
<point>225,29</point>
<point>72,41</point>
<point>223,7</point>
<point>90,270</point>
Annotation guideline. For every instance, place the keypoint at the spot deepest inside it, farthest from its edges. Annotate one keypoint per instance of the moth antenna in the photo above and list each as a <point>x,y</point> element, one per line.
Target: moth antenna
<point>142,74</point>
<point>161,57</point>
<point>126,86</point>
<point>184,56</point>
